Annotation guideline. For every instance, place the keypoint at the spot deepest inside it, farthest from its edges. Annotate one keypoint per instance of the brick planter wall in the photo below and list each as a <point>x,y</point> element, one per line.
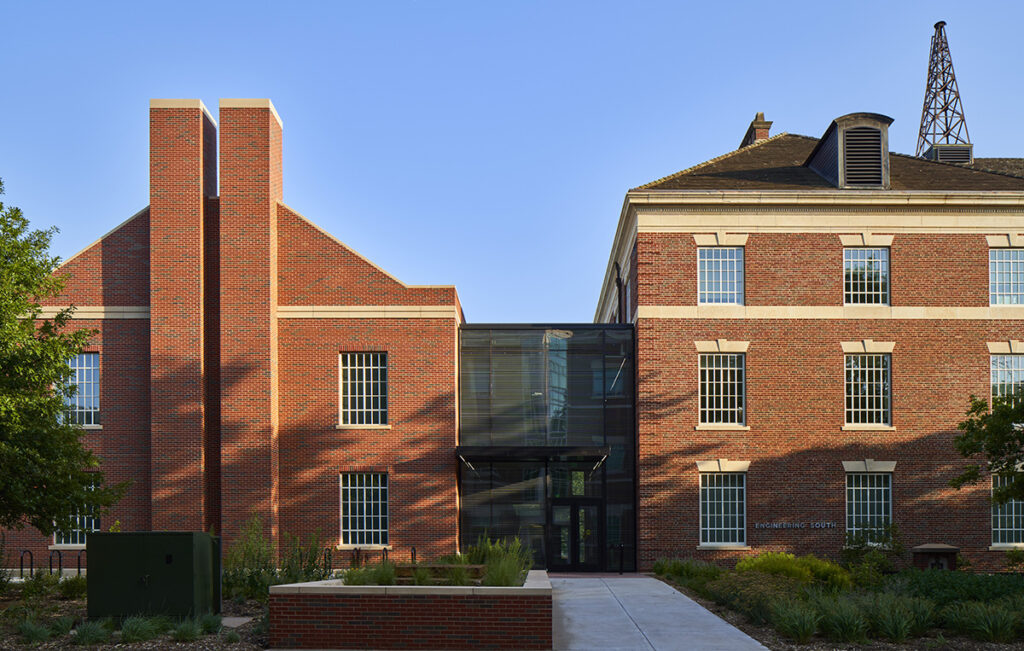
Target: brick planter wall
<point>330,615</point>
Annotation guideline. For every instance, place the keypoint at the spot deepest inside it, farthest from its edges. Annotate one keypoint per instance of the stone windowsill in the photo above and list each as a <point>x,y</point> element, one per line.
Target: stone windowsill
<point>66,548</point>
<point>363,548</point>
<point>1002,547</point>
<point>339,426</point>
<point>725,548</point>
<point>723,427</point>
<point>867,427</point>
<point>91,427</point>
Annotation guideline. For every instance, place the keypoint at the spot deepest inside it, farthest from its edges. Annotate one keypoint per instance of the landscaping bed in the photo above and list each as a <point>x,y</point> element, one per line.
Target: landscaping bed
<point>809,603</point>
<point>334,615</point>
<point>44,613</point>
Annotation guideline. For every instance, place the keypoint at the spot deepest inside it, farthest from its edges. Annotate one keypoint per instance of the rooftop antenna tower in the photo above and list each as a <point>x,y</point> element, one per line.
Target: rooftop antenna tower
<point>943,134</point>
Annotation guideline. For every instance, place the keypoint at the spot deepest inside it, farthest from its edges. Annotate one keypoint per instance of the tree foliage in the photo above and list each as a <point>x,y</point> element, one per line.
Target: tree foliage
<point>46,473</point>
<point>995,436</point>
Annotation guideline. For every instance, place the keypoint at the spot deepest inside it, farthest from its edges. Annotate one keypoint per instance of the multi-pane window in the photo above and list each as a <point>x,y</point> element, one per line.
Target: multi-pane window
<point>364,508</point>
<point>1007,375</point>
<point>722,388</point>
<point>867,389</point>
<point>1006,276</point>
<point>720,275</point>
<point>363,388</point>
<point>1007,518</point>
<point>723,508</point>
<point>84,407</point>
<point>868,505</point>
<point>866,276</point>
<point>81,523</point>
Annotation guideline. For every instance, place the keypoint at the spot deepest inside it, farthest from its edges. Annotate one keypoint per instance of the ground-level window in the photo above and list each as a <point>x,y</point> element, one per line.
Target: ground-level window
<point>363,388</point>
<point>868,506</point>
<point>723,388</point>
<point>723,508</point>
<point>81,523</point>
<point>867,389</point>
<point>84,407</point>
<point>364,508</point>
<point>1007,518</point>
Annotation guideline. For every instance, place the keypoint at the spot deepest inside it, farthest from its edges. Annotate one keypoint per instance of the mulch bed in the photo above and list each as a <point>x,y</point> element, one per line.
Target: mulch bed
<point>252,638</point>
<point>767,635</point>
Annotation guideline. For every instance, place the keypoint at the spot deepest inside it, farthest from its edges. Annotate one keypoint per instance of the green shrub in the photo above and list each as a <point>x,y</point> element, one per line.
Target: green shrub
<point>805,569</point>
<point>457,575</point>
<point>357,576</point>
<point>31,632</point>
<point>383,573</point>
<point>162,623</point>
<point>990,622</point>
<point>231,636</point>
<point>842,619</point>
<point>139,629</point>
<point>880,548</point>
<point>775,563</point>
<point>922,615</point>
<point>249,568</point>
<point>795,620</point>
<point>39,585</point>
<point>826,572</point>
<point>74,587</point>
<point>507,561</point>
<point>210,624</point>
<point>752,593</point>
<point>91,633</point>
<point>422,576</point>
<point>504,571</point>
<point>893,623</point>
<point>954,587</point>
<point>304,561</point>
<point>186,631</point>
<point>62,626</point>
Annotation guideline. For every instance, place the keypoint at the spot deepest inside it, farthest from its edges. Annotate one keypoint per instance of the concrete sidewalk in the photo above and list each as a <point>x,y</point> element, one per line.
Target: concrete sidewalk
<point>636,613</point>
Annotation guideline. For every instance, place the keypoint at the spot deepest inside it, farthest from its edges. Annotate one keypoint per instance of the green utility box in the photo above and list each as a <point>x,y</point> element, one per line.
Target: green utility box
<point>153,573</point>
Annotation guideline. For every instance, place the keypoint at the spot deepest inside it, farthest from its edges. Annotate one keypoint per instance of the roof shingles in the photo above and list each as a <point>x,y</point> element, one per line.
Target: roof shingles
<point>778,164</point>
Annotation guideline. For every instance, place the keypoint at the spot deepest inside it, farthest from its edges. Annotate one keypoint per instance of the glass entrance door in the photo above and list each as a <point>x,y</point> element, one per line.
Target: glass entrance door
<point>577,535</point>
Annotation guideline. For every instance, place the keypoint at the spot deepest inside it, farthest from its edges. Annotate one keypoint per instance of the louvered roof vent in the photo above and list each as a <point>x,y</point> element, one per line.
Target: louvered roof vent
<point>854,152</point>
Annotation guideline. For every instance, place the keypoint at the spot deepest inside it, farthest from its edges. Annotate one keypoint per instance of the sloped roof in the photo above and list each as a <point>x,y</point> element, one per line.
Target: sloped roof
<point>778,164</point>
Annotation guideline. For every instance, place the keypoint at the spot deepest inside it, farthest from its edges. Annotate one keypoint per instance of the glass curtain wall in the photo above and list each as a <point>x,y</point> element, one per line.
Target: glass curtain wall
<point>547,432</point>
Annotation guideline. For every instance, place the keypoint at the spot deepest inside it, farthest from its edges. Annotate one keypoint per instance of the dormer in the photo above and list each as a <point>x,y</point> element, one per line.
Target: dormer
<point>854,152</point>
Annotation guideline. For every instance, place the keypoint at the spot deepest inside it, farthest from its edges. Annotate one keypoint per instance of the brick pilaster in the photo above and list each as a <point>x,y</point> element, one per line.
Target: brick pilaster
<point>182,174</point>
<point>250,166</point>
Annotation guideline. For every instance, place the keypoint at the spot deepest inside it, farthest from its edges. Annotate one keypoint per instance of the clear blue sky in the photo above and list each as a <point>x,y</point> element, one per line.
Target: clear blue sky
<point>483,144</point>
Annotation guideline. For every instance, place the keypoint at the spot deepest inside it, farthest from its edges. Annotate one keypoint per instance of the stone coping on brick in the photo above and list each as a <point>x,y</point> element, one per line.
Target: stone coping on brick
<point>537,584</point>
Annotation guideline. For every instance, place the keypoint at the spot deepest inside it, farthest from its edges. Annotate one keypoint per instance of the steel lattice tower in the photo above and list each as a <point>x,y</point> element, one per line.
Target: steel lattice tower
<point>942,118</point>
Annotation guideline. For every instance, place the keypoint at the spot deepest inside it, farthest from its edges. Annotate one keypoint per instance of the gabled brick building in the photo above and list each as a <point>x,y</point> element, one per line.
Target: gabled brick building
<point>811,317</point>
<point>230,329</point>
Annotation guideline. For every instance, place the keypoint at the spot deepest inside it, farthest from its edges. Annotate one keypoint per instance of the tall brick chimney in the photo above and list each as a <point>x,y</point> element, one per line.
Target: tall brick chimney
<point>757,131</point>
<point>182,175</point>
<point>251,177</point>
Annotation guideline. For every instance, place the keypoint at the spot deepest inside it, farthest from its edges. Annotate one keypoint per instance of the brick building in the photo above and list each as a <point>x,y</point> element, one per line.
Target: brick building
<point>811,317</point>
<point>248,362</point>
<point>785,339</point>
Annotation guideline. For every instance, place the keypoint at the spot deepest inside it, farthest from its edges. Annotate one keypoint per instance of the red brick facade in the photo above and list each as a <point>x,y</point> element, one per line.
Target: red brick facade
<point>410,621</point>
<point>215,406</point>
<point>794,438</point>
